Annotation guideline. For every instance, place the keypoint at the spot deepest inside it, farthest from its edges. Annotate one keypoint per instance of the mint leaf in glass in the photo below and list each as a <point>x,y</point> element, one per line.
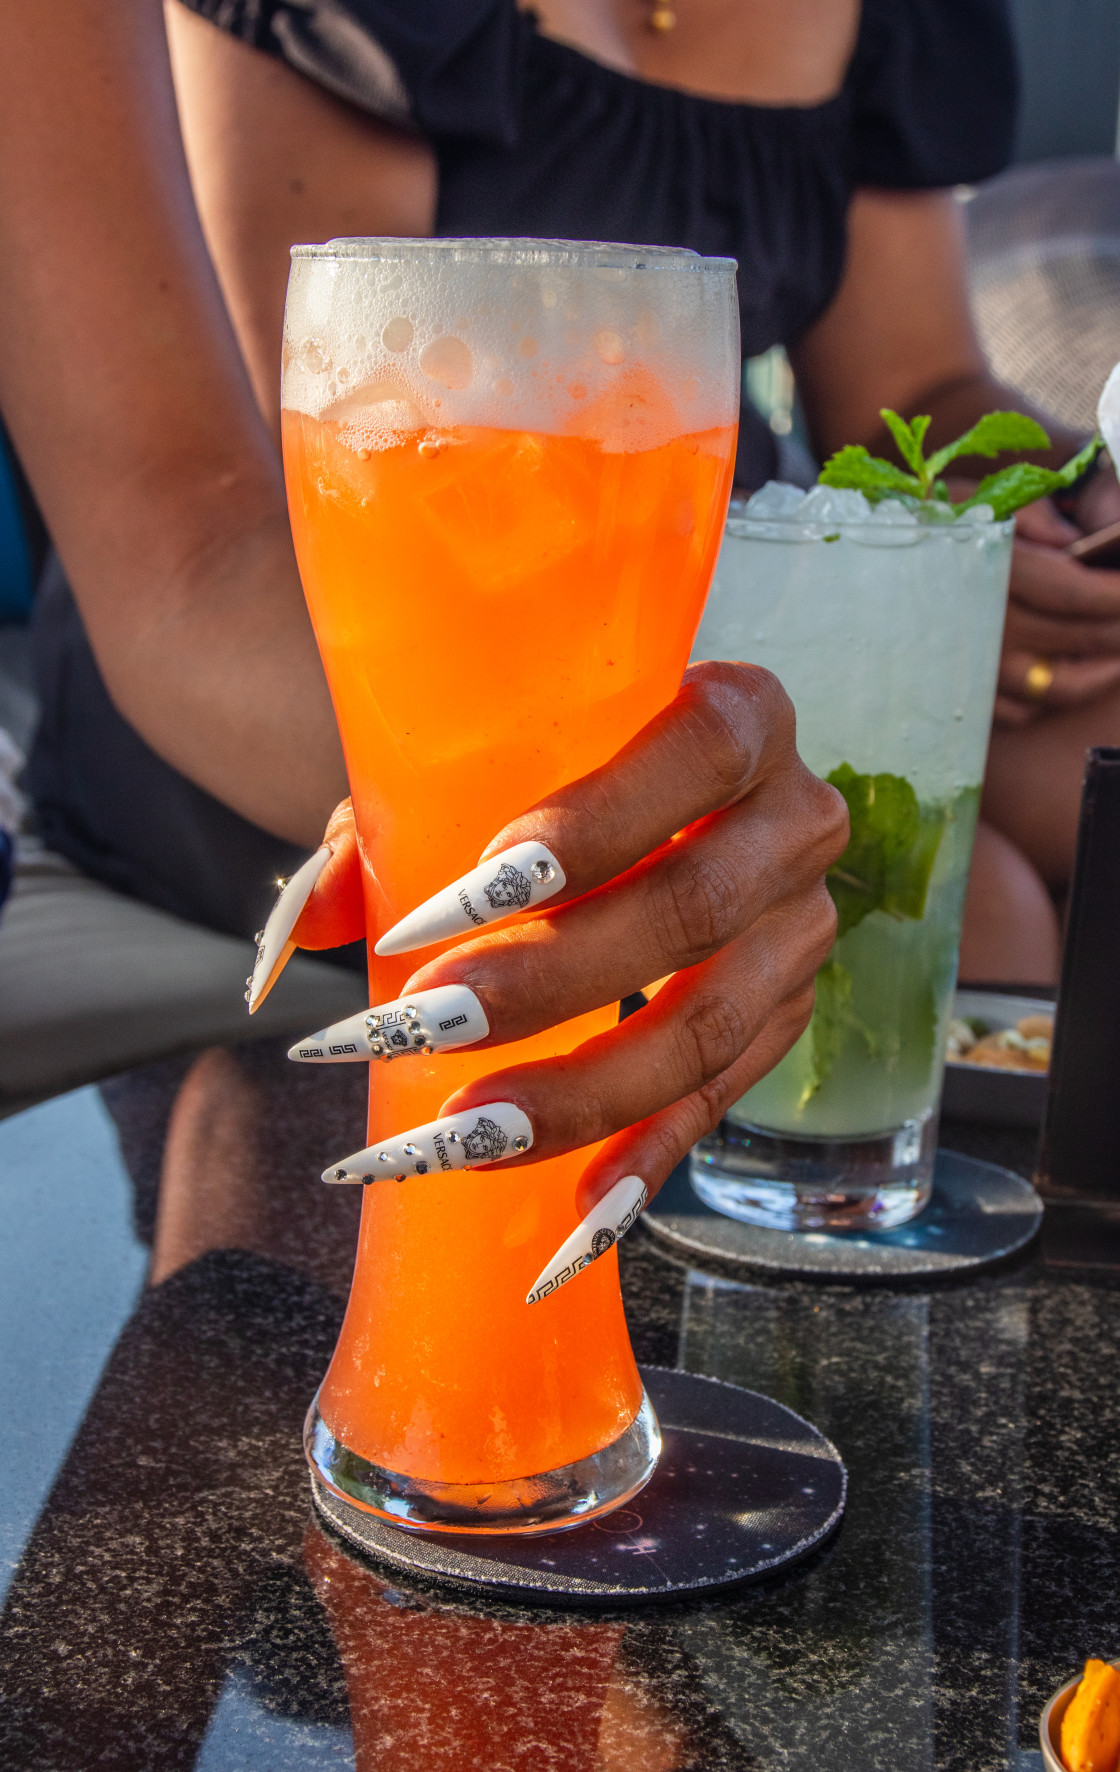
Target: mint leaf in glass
<point>854,467</point>
<point>834,1020</point>
<point>1006,491</point>
<point>1009,489</point>
<point>995,434</point>
<point>891,850</point>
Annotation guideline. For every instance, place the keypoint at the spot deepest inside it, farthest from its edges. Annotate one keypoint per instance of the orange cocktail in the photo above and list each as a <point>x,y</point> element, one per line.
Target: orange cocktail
<point>499,607</point>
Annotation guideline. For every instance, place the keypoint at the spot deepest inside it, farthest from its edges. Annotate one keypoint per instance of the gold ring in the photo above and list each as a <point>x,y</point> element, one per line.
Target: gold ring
<point>1036,684</point>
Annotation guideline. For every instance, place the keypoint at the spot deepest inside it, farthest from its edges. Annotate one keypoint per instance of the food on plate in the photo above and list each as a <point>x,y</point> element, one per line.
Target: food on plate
<point>1090,1738</point>
<point>1025,1047</point>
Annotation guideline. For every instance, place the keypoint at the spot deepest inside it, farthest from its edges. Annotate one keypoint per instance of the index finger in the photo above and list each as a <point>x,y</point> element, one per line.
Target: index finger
<point>728,729</point>
<point>1047,579</point>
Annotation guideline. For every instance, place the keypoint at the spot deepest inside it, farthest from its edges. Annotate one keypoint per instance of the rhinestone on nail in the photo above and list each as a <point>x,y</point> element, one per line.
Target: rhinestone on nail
<point>427,1051</point>
<point>543,872</point>
<point>373,1021</point>
<point>453,1138</point>
<point>421,1041</point>
<point>411,1009</point>
<point>259,937</point>
<point>421,1168</point>
<point>521,1144</point>
<point>248,995</point>
<point>412,1150</point>
<point>376,1047</point>
<point>340,1175</point>
<point>384,1156</point>
<point>366,1179</point>
<point>400,1177</point>
<point>249,982</point>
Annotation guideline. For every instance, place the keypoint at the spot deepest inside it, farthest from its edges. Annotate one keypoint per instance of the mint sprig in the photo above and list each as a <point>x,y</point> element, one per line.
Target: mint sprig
<point>891,849</point>
<point>1006,491</point>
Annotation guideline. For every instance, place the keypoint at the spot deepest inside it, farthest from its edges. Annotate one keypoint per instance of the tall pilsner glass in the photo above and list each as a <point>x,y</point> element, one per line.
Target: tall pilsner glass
<point>508,465</point>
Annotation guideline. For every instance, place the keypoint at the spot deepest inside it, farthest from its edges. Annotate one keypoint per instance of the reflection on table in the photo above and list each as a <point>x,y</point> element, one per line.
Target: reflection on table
<point>175,1602</point>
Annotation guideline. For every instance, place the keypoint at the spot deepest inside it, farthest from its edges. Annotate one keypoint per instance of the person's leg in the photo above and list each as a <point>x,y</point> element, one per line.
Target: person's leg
<point>1011,933</point>
<point>1032,789</point>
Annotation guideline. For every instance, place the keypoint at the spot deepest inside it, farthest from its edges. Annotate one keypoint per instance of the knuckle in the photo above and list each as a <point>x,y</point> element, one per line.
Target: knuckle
<point>714,1033</point>
<point>799,1011</point>
<point>716,1096</point>
<point>700,907</point>
<point>734,710</point>
<point>822,923</point>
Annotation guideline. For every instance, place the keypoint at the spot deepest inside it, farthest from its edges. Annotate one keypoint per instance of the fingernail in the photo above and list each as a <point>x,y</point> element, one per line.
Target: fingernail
<point>514,880</point>
<point>274,946</point>
<point>438,1020</point>
<point>488,1134</point>
<point>592,1237</point>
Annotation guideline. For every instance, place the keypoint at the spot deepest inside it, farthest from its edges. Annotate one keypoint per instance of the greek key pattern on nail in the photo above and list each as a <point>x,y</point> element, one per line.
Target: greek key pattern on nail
<point>591,1239</point>
<point>446,1017</point>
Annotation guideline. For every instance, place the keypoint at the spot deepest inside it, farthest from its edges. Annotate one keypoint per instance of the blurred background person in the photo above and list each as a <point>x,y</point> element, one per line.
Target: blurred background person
<point>186,751</point>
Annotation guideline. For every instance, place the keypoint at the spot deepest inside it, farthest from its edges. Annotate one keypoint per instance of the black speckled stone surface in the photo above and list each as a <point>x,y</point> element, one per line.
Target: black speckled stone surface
<point>170,1600</point>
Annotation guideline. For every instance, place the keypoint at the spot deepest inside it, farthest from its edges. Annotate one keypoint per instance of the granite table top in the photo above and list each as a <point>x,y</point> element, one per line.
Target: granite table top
<point>169,1599</point>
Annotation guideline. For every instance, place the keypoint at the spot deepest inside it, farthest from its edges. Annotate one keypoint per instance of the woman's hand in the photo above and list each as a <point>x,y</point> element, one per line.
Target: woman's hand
<point>699,852</point>
<point>1061,642</point>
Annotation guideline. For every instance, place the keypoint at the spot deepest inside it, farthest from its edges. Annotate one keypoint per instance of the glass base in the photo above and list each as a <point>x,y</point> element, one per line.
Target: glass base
<point>817,1184</point>
<point>551,1501</point>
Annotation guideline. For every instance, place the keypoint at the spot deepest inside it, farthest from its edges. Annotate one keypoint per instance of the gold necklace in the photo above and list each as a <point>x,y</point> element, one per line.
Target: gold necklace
<point>662,18</point>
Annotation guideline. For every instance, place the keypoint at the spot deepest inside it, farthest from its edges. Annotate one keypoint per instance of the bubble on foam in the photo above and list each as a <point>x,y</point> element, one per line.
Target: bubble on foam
<point>448,360</point>
<point>314,356</point>
<point>396,334</point>
<point>610,346</point>
<point>631,352</point>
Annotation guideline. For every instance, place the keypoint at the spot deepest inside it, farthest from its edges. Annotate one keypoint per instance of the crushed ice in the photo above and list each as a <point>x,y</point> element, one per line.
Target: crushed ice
<point>825,506</point>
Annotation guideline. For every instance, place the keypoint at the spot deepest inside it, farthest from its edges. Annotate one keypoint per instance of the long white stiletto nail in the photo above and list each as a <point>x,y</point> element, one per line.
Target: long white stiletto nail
<point>274,946</point>
<point>488,1134</point>
<point>438,1020</point>
<point>516,879</point>
<point>592,1237</point>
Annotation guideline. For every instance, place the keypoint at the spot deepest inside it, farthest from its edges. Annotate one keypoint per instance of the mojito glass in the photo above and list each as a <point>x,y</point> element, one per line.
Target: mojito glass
<point>884,624</point>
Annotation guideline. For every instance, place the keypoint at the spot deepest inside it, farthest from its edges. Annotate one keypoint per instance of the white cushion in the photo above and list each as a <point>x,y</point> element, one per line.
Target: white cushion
<point>92,982</point>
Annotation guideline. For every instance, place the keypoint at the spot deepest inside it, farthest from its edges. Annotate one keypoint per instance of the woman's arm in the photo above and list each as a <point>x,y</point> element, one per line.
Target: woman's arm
<point>126,394</point>
<point>899,333</point>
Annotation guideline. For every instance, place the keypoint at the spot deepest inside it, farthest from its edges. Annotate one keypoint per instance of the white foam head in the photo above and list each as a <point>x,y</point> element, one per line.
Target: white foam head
<point>631,345</point>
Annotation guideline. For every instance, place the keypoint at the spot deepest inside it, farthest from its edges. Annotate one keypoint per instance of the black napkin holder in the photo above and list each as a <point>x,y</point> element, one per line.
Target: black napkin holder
<point>1079,1158</point>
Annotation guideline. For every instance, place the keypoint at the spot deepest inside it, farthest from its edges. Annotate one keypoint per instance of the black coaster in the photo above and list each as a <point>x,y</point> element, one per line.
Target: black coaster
<point>743,1487</point>
<point>978,1214</point>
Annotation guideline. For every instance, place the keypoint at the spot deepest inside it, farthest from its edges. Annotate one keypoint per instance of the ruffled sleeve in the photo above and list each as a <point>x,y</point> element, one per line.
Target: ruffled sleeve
<point>447,68</point>
<point>934,92</point>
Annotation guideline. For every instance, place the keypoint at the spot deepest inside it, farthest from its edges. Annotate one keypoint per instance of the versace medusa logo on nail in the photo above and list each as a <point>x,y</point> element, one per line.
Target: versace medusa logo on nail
<point>601,1242</point>
<point>485,1142</point>
<point>510,889</point>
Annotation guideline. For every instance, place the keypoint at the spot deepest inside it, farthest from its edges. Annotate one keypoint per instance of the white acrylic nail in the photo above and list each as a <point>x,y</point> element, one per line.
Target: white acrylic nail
<point>274,945</point>
<point>491,1133</point>
<point>514,880</point>
<point>592,1237</point>
<point>439,1020</point>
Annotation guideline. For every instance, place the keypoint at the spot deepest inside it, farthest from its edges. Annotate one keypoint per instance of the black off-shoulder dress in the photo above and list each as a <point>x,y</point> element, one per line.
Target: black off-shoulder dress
<point>534,138</point>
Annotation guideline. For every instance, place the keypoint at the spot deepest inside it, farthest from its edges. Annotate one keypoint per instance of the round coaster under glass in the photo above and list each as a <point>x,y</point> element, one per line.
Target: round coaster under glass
<point>978,1214</point>
<point>743,1487</point>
